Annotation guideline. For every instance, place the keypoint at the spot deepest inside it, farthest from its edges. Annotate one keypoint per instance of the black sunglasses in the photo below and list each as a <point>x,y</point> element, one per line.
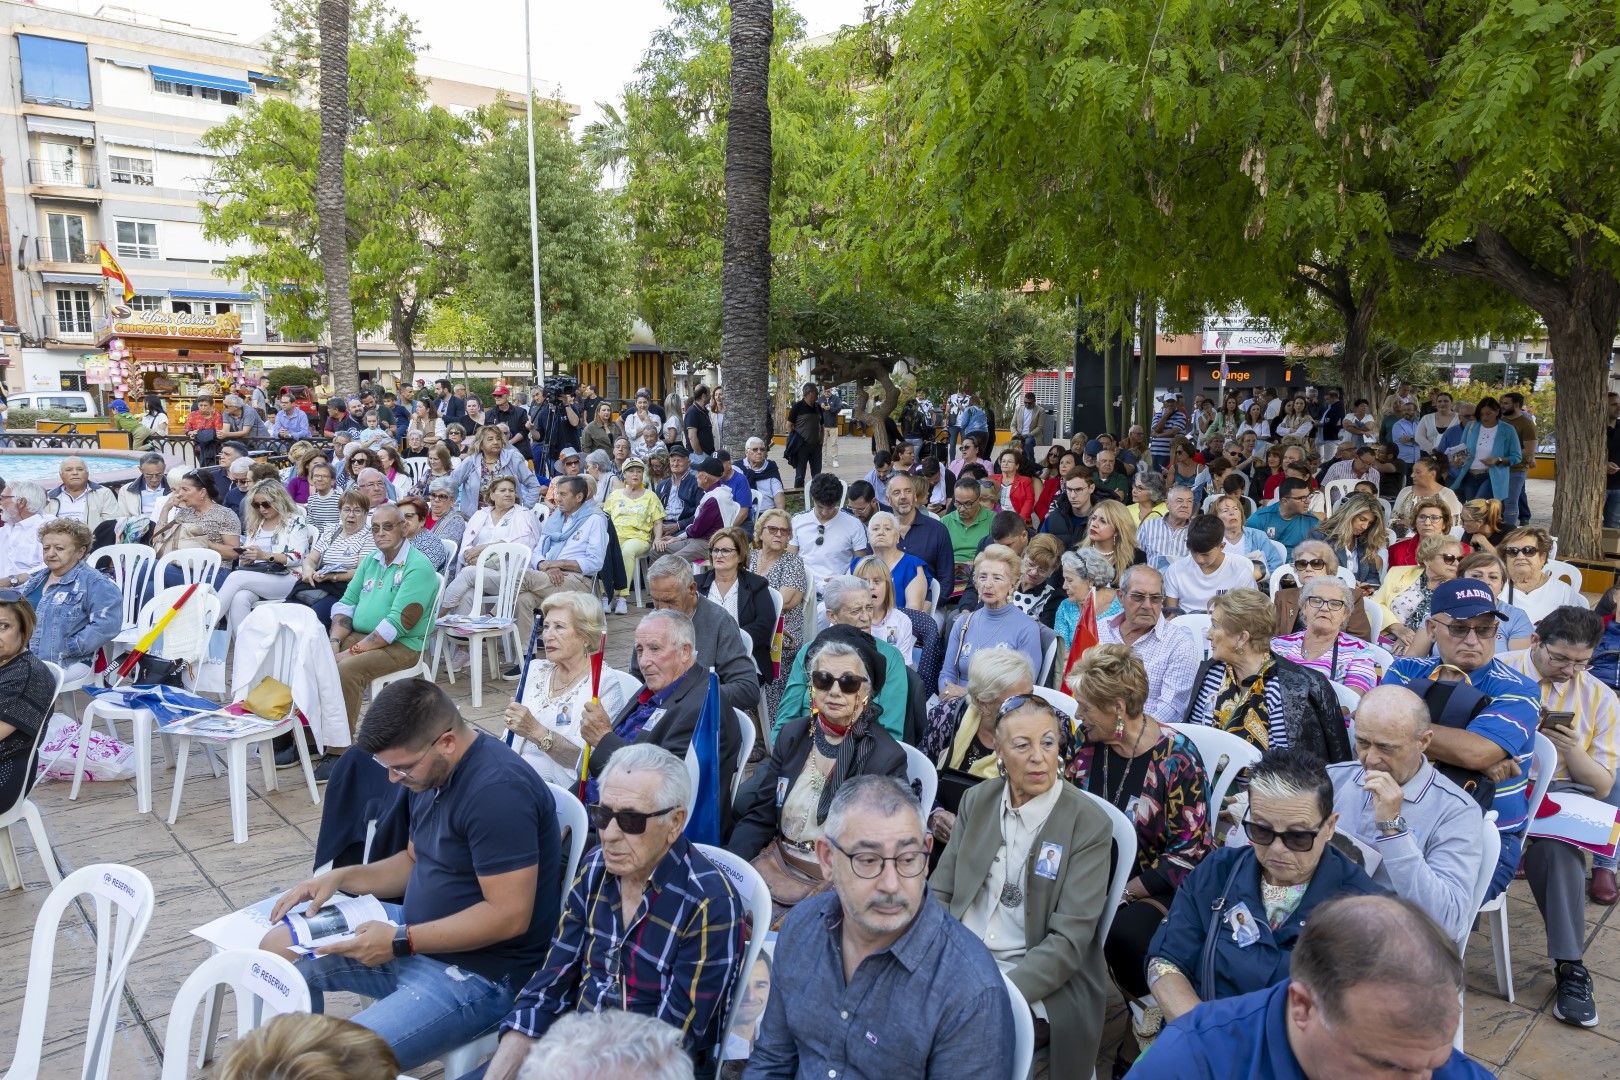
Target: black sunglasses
<point>261,504</point>
<point>631,822</point>
<point>821,534</point>
<point>848,683</point>
<point>1293,839</point>
<point>1310,564</point>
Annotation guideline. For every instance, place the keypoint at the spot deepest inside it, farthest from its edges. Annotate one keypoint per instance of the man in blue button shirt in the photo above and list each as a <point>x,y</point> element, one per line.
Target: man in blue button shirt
<point>1288,520</point>
<point>1372,991</point>
<point>874,979</point>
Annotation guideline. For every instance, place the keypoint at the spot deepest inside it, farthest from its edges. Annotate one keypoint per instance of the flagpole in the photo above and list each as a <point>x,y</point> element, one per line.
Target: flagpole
<point>534,212</point>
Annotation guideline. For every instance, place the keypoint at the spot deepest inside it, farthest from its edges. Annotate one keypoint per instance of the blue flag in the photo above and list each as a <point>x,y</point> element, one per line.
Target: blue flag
<point>704,825</point>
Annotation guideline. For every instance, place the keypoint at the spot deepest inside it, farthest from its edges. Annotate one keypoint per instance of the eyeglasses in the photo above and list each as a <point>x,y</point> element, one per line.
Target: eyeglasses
<point>1460,631</point>
<point>261,504</point>
<point>404,772</point>
<point>1310,564</point>
<point>1566,661</point>
<point>869,864</point>
<point>1145,598</point>
<point>1431,519</point>
<point>631,822</point>
<point>1511,552</point>
<point>1449,560</point>
<point>721,551</point>
<point>847,683</point>
<point>1293,839</point>
<point>778,530</point>
<point>1322,603</point>
<point>384,526</point>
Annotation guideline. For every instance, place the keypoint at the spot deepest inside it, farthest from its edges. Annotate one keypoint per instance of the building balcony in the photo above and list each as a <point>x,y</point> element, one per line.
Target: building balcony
<point>65,253</point>
<point>70,179</point>
<point>74,331</point>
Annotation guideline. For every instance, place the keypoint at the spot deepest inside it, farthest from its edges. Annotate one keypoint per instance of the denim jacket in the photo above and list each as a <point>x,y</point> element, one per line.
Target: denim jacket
<point>76,616</point>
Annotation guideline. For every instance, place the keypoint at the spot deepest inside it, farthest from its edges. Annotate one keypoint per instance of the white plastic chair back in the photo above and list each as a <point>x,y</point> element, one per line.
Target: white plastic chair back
<point>1543,765</point>
<point>1224,756</point>
<point>757,898</point>
<point>1198,626</point>
<point>921,770</point>
<point>1335,490</point>
<point>1067,708</point>
<point>196,564</point>
<point>933,596</point>
<point>747,643</point>
<point>1490,850</point>
<point>186,638</point>
<point>22,811</point>
<point>1348,698</point>
<point>1456,532</point>
<point>265,986</point>
<point>745,728</point>
<point>508,562</point>
<point>1049,651</point>
<point>122,898</point>
<point>692,774</point>
<point>1563,571</point>
<point>1553,554</point>
<point>570,816</point>
<point>1382,658</point>
<point>416,469</point>
<point>132,566</point>
<point>1124,836</point>
<point>1377,618</point>
<point>1349,580</point>
<point>1023,1055</point>
<point>1278,574</point>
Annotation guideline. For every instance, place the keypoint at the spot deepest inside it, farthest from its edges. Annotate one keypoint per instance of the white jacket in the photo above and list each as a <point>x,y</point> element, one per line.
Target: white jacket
<point>314,675</point>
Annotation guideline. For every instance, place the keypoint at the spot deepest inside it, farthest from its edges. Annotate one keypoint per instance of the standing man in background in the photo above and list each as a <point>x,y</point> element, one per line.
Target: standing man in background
<point>1516,508</point>
<point>831,405</point>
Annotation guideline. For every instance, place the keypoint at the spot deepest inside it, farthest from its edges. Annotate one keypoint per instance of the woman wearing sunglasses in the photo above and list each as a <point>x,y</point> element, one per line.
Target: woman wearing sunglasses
<point>1407,589</point>
<point>784,570</point>
<point>1235,919</point>
<point>1153,775</point>
<point>810,758</point>
<point>445,519</point>
<point>276,539</point>
<point>1029,876</point>
<point>1312,559</point>
<point>1529,586</point>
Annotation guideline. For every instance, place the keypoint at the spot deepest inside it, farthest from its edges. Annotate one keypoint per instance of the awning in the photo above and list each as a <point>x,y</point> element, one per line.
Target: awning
<point>266,80</point>
<point>204,294</point>
<point>71,279</point>
<point>50,125</point>
<point>199,78</point>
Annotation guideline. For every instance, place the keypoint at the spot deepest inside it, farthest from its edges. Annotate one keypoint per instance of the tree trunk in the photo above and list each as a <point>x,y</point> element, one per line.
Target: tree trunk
<point>331,200</point>
<point>1358,365</point>
<point>1581,341</point>
<point>402,328</point>
<point>1149,335</point>
<point>745,278</point>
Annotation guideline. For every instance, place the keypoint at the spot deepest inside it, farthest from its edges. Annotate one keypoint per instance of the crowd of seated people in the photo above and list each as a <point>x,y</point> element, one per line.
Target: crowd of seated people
<point>1049,633</point>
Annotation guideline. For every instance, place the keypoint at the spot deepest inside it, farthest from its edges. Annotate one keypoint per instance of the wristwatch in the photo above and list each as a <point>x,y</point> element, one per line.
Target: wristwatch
<point>402,941</point>
<point>1394,825</point>
<point>545,743</point>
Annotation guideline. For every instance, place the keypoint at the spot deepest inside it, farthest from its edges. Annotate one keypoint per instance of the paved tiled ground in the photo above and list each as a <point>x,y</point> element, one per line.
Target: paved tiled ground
<point>199,874</point>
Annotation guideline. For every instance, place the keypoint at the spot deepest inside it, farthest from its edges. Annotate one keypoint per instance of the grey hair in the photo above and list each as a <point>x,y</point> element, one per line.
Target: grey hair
<point>995,671</point>
<point>28,493</point>
<point>153,459</point>
<point>1131,572</point>
<point>833,647</point>
<point>671,568</point>
<point>1154,483</point>
<point>674,783</point>
<point>836,590</point>
<point>441,485</point>
<point>233,401</point>
<point>586,1045</point>
<point>1327,581</point>
<point>680,625</point>
<point>883,795</point>
<point>599,459</point>
<point>1414,960</point>
<point>369,471</point>
<point>1090,564</point>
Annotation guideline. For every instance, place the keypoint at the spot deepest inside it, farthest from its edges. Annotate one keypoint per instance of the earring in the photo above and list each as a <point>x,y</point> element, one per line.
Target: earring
<point>1119,727</point>
<point>1001,769</point>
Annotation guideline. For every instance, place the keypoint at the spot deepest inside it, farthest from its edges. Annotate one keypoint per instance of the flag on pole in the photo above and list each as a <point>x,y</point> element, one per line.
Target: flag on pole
<point>704,750</point>
<point>111,269</point>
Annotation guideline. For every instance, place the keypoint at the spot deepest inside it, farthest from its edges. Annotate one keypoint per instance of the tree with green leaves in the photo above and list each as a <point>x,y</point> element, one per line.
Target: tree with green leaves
<point>405,187</point>
<point>585,286</point>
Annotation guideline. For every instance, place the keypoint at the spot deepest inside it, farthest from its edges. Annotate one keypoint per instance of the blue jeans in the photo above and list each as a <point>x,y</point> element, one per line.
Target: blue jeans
<point>421,1007</point>
<point>1477,487</point>
<point>1507,864</point>
<point>1611,508</point>
<point>1515,508</point>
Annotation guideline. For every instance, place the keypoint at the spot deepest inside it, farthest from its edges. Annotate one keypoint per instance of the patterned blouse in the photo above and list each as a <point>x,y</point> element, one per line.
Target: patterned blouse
<point>1163,791</point>
<point>787,572</point>
<point>1354,667</point>
<point>1250,709</point>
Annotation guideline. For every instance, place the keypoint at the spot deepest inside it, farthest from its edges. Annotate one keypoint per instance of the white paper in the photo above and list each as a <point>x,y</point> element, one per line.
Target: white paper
<point>242,929</point>
<point>1580,820</point>
<point>332,924</point>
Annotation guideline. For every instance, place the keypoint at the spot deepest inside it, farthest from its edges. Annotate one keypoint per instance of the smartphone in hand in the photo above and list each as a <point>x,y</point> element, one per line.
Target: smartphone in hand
<point>1556,718</point>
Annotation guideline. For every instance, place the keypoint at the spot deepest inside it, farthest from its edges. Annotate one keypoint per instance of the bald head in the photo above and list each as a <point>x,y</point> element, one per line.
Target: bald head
<point>1392,731</point>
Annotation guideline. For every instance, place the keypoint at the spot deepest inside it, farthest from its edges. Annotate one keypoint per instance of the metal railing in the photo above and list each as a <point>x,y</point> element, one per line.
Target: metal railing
<point>52,249</point>
<point>62,173</point>
<point>73,330</point>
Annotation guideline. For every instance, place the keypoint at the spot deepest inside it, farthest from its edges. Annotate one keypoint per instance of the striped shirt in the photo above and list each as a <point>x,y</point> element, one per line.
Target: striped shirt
<point>1159,445</point>
<point>1164,543</point>
<point>1350,662</point>
<point>676,960</point>
<point>1597,712</point>
<point>1509,721</point>
<point>322,510</point>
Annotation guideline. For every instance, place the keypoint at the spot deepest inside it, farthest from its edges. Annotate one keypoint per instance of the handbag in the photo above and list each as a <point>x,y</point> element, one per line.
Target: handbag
<point>788,885</point>
<point>271,699</point>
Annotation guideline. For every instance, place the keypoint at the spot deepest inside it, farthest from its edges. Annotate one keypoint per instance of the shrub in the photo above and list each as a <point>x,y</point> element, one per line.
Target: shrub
<point>25,419</point>
<point>289,375</point>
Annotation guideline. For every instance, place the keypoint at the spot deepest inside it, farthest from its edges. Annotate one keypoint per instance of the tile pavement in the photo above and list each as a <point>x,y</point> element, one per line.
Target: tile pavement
<point>199,873</point>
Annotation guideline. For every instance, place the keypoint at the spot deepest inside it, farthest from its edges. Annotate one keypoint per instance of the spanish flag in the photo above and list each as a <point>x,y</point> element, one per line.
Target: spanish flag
<point>111,269</point>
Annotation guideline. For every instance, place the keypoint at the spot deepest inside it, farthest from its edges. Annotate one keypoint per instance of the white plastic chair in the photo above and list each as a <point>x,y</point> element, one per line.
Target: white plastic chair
<point>1066,706</point>
<point>205,614</point>
<point>1124,837</point>
<point>24,812</point>
<point>1382,658</point>
<point>921,770</point>
<point>1023,1028</point>
<point>757,898</point>
<point>132,566</point>
<point>570,816</point>
<point>509,561</point>
<point>1334,490</point>
<point>1377,619</point>
<point>416,468</point>
<point>1348,698</point>
<point>196,564</point>
<point>1542,767</point>
<point>265,985</point>
<point>1490,850</point>
<point>1563,571</point>
<point>1049,651</point>
<point>1224,756</point>
<point>420,669</point>
<point>933,596</point>
<point>1277,575</point>
<point>1198,626</point>
<point>745,728</point>
<point>123,901</point>
<point>279,665</point>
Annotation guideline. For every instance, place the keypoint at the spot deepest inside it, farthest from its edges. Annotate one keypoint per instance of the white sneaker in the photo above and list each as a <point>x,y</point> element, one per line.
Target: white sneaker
<point>620,607</point>
<point>607,605</point>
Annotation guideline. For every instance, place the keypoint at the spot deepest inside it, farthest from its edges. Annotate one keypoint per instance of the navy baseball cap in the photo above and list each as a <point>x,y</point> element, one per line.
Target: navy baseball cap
<point>1094,447</point>
<point>1464,598</point>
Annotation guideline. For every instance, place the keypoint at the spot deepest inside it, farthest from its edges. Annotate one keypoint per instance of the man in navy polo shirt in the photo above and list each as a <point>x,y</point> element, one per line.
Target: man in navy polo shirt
<point>480,880</point>
<point>1372,991</point>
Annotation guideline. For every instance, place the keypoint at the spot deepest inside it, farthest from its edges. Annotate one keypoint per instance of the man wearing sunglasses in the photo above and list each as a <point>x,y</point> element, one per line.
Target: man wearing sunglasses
<point>1288,520</point>
<point>1499,739</point>
<point>1582,719</point>
<point>874,976</point>
<point>478,878</point>
<point>676,960</point>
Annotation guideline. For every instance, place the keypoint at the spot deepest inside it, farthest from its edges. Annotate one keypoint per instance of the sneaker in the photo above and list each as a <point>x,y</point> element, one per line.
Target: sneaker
<point>607,606</point>
<point>288,758</point>
<point>620,607</point>
<point>323,767</point>
<point>511,672</point>
<point>1573,1003</point>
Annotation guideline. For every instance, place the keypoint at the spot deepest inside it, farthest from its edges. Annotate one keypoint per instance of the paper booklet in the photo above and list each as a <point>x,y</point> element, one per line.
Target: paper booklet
<point>218,725</point>
<point>1578,819</point>
<point>334,923</point>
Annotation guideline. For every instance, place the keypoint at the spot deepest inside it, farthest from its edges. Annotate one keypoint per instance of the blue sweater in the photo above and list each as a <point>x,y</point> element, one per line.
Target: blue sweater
<point>983,628</point>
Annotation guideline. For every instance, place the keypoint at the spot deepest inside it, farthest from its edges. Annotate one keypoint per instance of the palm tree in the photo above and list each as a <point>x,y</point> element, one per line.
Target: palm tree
<point>330,198</point>
<point>745,278</point>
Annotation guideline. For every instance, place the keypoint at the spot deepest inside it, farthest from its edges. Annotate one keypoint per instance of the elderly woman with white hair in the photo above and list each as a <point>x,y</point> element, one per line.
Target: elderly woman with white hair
<point>445,519</point>
<point>963,739</point>
<point>1326,602</point>
<point>910,574</point>
<point>1089,598</point>
<point>549,708</point>
<point>599,467</point>
<point>20,550</point>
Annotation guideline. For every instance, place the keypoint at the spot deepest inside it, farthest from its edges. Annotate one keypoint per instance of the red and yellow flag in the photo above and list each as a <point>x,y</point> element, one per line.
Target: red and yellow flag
<point>111,269</point>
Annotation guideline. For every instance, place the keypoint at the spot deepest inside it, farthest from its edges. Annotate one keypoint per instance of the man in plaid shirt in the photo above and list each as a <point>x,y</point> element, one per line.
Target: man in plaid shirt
<point>651,926</point>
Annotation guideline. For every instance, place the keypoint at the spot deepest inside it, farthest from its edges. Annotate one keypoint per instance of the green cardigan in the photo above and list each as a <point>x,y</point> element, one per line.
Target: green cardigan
<point>378,594</point>
<point>891,700</point>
